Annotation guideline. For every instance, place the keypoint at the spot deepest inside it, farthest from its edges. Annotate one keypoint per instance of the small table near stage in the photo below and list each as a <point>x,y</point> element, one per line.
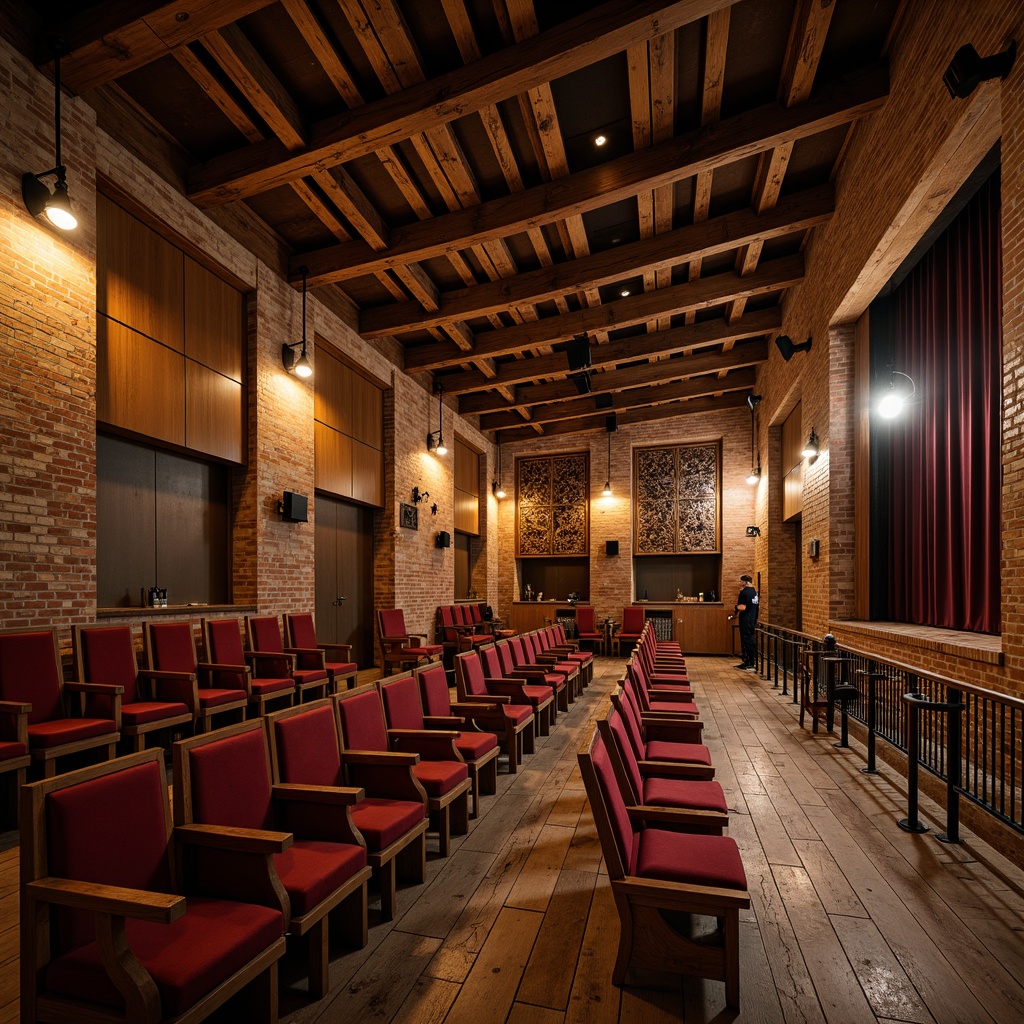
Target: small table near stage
<point>609,631</point>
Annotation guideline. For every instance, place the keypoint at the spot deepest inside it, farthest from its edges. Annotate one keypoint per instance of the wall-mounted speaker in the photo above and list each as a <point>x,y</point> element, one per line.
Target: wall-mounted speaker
<point>611,423</point>
<point>294,508</point>
<point>577,353</point>
<point>444,539</point>
<point>813,548</point>
<point>611,547</point>
<point>603,400</point>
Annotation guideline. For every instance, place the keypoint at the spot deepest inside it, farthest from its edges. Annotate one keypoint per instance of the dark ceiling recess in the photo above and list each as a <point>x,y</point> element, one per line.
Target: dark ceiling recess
<point>486,182</point>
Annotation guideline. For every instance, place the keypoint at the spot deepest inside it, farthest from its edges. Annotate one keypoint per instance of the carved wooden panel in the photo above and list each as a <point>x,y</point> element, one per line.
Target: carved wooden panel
<point>677,499</point>
<point>553,505</point>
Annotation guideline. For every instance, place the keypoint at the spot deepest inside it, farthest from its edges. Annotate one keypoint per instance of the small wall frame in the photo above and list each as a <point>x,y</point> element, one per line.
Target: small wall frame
<point>409,516</point>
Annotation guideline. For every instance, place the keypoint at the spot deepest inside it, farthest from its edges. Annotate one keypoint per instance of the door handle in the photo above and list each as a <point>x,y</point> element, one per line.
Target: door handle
<point>340,600</point>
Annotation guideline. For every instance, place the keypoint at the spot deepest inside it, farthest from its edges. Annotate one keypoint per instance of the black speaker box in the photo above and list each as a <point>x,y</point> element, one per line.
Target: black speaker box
<point>577,352</point>
<point>294,508</point>
<point>611,547</point>
<point>444,539</point>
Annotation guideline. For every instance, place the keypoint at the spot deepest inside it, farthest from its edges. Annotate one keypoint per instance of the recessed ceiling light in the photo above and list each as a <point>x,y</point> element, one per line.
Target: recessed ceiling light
<point>600,140</point>
<point>624,292</point>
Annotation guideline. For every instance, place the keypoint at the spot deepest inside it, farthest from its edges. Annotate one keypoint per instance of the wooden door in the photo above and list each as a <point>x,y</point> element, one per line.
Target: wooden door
<point>344,576</point>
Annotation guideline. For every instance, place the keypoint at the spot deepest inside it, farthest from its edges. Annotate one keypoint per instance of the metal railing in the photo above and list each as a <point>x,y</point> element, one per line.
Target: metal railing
<point>988,770</point>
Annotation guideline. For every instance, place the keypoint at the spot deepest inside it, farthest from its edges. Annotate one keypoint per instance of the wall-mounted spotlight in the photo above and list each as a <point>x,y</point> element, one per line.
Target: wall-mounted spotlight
<point>435,438</point>
<point>37,197</point>
<point>901,390</point>
<point>298,363</point>
<point>788,347</point>
<point>753,531</point>
<point>496,488</point>
<point>812,447</point>
<point>967,70</point>
<point>753,401</point>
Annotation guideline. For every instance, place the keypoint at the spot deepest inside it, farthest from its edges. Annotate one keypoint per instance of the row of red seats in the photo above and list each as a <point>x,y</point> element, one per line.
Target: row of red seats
<point>660,818</point>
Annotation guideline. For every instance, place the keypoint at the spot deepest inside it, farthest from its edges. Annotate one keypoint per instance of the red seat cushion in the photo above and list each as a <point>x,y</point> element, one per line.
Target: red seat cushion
<point>475,744</point>
<point>675,706</point>
<point>698,794</point>
<point>439,777</point>
<point>306,676</point>
<point>310,871</point>
<point>187,958</point>
<point>669,750</point>
<point>519,713</point>
<point>67,730</point>
<point>211,698</point>
<point>536,693</point>
<point>381,822</point>
<point>422,652</point>
<point>693,859</point>
<point>145,711</point>
<point>10,749</point>
<point>341,668</point>
<point>264,686</point>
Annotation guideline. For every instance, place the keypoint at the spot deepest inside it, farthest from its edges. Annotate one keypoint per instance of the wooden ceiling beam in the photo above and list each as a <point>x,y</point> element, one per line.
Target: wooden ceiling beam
<point>721,234</point>
<point>632,398</point>
<point>733,139</point>
<point>576,43</point>
<point>664,343</point>
<point>712,291</point>
<point>594,424</point>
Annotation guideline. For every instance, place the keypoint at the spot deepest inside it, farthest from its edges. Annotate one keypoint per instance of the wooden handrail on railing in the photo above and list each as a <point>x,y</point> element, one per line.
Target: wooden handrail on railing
<point>989,768</point>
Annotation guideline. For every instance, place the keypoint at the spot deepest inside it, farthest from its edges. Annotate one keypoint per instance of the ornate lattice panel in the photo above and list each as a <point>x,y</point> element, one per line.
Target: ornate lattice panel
<point>677,504</point>
<point>553,505</point>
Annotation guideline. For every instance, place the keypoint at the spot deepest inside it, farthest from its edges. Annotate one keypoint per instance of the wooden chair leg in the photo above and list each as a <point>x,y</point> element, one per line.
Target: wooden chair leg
<point>348,922</point>
<point>514,745</point>
<point>529,738</point>
<point>731,952</point>
<point>440,818</point>
<point>488,780</point>
<point>319,981</point>
<point>458,819</point>
<point>388,890</point>
<point>412,861</point>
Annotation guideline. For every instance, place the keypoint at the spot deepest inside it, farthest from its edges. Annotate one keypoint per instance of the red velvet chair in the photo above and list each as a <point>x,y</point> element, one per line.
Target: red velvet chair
<point>538,695</point>
<point>300,635</point>
<point>263,633</point>
<point>514,722</point>
<point>150,702</point>
<point>14,759</point>
<point>266,676</point>
<point>537,649</point>
<point>664,741</point>
<point>664,793</point>
<point>305,748</point>
<point>30,673</point>
<point>171,654</point>
<point>223,779</point>
<point>514,663</point>
<point>663,701</point>
<point>438,768</point>
<point>586,627</point>
<point>477,747</point>
<point>660,880</point>
<point>631,628</point>
<point>459,635</point>
<point>400,648</point>
<point>110,931</point>
<point>556,639</point>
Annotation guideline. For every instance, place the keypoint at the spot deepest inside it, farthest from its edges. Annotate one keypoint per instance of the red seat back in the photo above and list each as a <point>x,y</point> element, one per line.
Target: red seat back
<point>506,663</point>
<point>401,700</point>
<point>392,622</point>
<point>434,694</point>
<point>476,612</point>
<point>624,746</point>
<point>230,781</point>
<point>470,672</point>
<point>632,619</point>
<point>30,673</point>
<point>492,662</point>
<point>264,633</point>
<point>618,838</point>
<point>362,721</point>
<point>224,641</point>
<point>301,630</point>
<point>585,618</point>
<point>307,747</point>
<point>106,654</point>
<point>171,646</point>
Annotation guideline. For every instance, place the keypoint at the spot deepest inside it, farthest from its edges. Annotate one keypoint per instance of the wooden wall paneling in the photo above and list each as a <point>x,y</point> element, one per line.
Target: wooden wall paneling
<point>333,397</point>
<point>862,468</point>
<point>139,276</point>
<point>467,512</point>
<point>367,474</point>
<point>463,574</point>
<point>467,468</point>
<point>214,322</point>
<point>367,416</point>
<point>125,522</point>
<point>140,384</point>
<point>193,545</point>
<point>553,505</point>
<point>792,465</point>
<point>333,459</point>
<point>214,414</point>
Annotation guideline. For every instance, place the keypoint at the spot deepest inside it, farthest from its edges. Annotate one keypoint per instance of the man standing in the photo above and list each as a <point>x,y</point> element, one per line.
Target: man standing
<point>746,609</point>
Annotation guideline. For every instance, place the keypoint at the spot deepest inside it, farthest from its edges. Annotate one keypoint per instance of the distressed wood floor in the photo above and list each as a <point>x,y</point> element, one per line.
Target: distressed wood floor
<point>851,921</point>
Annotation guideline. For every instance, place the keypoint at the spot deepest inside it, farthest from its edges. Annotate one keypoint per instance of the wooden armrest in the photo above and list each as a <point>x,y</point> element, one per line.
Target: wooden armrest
<point>308,652</point>
<point>380,757</point>
<point>140,904</point>
<point>155,673</point>
<point>677,816</point>
<point>479,699</point>
<point>237,840</point>
<point>432,734</point>
<point>346,648</point>
<point>421,637</point>
<point>271,656</point>
<point>212,666</point>
<point>337,795</point>
<point>430,744</point>
<point>97,688</point>
<point>471,707</point>
<point>435,722</point>
<point>701,899</point>
<point>677,769</point>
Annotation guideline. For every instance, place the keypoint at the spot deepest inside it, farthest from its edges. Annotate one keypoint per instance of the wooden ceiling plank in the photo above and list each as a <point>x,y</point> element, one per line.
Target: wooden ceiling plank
<point>214,89</point>
<point>314,32</point>
<point>243,64</point>
<point>571,45</point>
<point>424,291</point>
<point>338,185</point>
<point>718,235</point>
<point>706,292</point>
<point>705,334</point>
<point>728,141</point>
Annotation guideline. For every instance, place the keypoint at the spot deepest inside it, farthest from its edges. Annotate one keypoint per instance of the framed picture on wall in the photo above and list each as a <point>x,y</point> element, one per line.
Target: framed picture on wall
<point>409,516</point>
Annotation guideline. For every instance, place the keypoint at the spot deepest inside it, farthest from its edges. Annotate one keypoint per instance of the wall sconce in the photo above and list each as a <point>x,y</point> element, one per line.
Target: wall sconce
<point>753,401</point>
<point>298,364</point>
<point>811,449</point>
<point>37,197</point>
<point>610,425</point>
<point>899,392</point>
<point>967,70</point>
<point>787,347</point>
<point>435,438</point>
<point>753,531</point>
<point>496,488</point>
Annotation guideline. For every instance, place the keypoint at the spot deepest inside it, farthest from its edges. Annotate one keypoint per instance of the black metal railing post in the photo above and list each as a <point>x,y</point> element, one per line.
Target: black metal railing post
<point>954,707</point>
<point>872,678</point>
<point>912,823</point>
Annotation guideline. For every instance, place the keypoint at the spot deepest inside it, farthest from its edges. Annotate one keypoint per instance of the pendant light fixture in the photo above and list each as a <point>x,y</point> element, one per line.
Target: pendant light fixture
<point>496,488</point>
<point>435,438</point>
<point>753,401</point>
<point>298,364</point>
<point>610,425</point>
<point>37,197</point>
<point>900,391</point>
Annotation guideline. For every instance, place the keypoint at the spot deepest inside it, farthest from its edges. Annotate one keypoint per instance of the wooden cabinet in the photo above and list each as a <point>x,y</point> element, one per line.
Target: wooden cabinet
<point>529,615</point>
<point>698,627</point>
